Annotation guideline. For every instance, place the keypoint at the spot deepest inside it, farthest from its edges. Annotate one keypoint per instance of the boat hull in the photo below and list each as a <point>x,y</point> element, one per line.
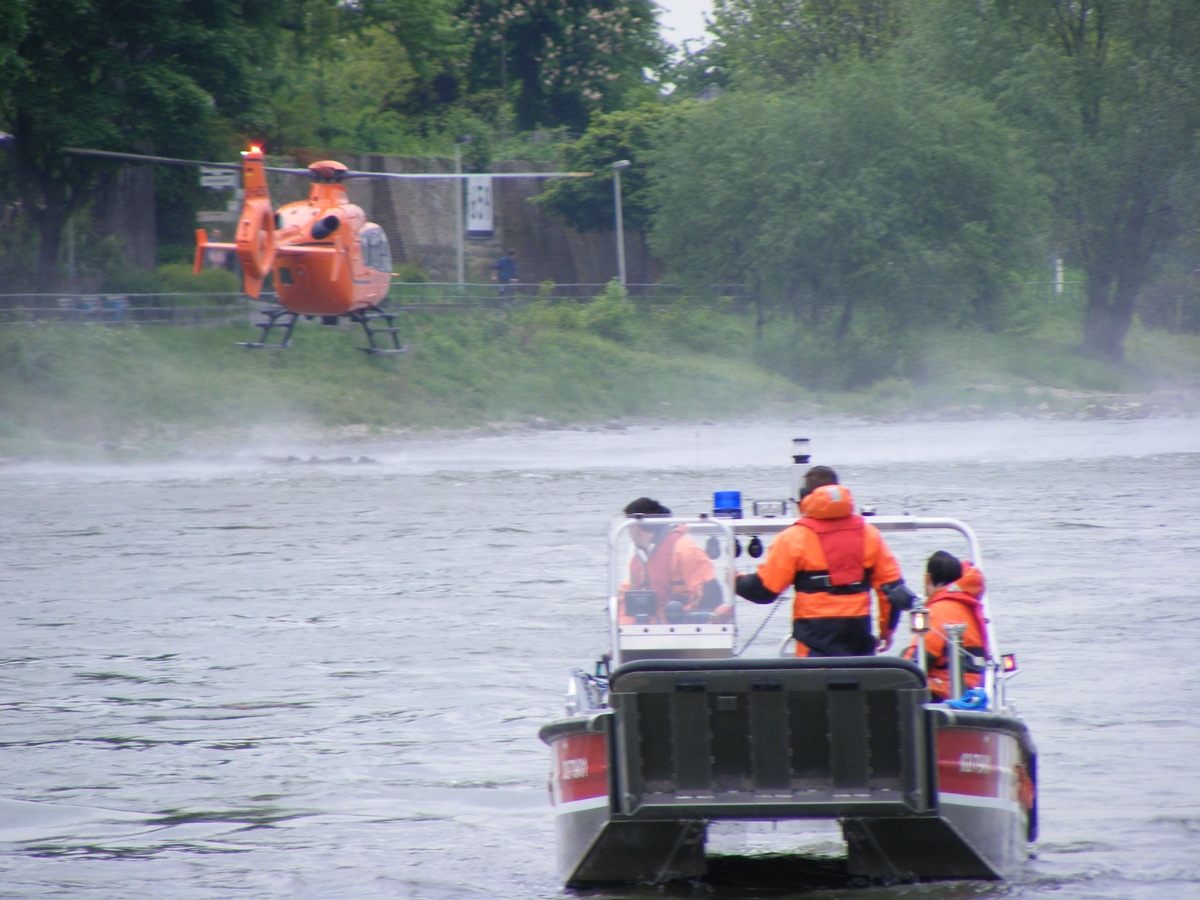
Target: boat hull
<point>921,791</point>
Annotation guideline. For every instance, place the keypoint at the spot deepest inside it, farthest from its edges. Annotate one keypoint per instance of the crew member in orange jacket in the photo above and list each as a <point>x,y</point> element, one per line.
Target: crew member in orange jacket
<point>833,558</point>
<point>954,588</point>
<point>671,564</point>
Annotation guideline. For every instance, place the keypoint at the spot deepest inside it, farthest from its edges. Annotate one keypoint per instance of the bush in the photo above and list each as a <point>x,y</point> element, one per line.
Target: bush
<point>817,359</point>
<point>611,315</point>
<point>410,273</point>
<point>124,280</point>
<point>178,278</point>
<point>1171,305</point>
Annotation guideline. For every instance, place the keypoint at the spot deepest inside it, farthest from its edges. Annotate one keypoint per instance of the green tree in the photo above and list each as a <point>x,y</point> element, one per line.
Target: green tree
<point>366,76</point>
<point>870,193</point>
<point>776,43</point>
<point>701,71</point>
<point>566,59</point>
<point>1108,95</point>
<point>12,30</point>
<point>147,77</point>
<point>588,203</point>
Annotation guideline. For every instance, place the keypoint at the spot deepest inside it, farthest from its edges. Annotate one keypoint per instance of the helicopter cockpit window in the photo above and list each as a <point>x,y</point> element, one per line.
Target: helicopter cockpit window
<point>376,252</point>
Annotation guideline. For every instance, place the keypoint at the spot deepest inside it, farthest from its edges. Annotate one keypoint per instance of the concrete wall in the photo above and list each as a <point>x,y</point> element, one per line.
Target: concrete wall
<point>418,216</point>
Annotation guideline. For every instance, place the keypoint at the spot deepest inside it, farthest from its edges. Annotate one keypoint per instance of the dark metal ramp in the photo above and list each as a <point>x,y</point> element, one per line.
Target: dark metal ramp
<point>771,739</point>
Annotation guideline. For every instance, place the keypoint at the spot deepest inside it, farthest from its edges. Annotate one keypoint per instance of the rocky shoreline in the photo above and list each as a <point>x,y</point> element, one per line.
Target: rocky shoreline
<point>173,441</point>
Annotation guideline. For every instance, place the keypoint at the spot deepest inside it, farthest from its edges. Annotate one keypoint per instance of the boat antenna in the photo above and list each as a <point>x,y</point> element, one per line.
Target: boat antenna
<point>802,462</point>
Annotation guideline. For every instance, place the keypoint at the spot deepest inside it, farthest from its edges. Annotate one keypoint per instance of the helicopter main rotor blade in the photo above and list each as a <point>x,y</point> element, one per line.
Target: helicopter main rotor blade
<point>171,161</point>
<point>341,176</point>
<point>346,175</point>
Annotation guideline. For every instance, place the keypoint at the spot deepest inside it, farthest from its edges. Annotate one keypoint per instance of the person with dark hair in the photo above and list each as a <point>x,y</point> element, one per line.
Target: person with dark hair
<point>817,476</point>
<point>954,589</point>
<point>644,506</point>
<point>833,558</point>
<point>669,563</point>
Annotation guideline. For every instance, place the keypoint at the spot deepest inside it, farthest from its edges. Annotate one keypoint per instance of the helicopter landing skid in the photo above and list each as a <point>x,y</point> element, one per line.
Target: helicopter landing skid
<point>274,318</point>
<point>369,319</point>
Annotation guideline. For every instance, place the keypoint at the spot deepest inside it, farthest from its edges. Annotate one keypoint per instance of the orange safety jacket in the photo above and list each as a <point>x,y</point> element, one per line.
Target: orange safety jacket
<point>833,558</point>
<point>675,569</point>
<point>954,604</point>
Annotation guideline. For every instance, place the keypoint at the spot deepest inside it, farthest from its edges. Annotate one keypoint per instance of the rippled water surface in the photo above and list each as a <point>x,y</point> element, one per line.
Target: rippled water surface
<point>244,677</point>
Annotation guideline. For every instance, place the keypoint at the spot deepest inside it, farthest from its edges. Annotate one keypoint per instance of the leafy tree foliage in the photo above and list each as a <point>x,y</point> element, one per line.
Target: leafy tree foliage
<point>567,59</point>
<point>699,71</point>
<point>12,30</point>
<point>775,43</point>
<point>365,76</point>
<point>118,75</point>
<point>588,203</point>
<point>1107,94</point>
<point>869,193</point>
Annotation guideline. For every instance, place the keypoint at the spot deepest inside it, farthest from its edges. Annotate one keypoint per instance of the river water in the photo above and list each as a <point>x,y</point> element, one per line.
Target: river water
<point>238,676</point>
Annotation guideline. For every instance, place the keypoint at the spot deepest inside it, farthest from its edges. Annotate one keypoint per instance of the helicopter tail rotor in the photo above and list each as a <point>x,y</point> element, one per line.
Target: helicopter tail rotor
<point>256,243</point>
<point>256,226</point>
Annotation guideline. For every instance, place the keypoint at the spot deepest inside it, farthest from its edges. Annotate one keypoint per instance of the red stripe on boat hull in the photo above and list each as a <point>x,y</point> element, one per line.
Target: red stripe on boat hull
<point>580,768</point>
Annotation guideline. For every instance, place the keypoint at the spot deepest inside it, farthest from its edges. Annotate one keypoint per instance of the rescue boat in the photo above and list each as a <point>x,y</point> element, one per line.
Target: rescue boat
<point>678,727</point>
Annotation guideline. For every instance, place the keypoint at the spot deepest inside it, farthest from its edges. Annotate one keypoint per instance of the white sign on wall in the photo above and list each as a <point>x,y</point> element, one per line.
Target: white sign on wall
<point>218,179</point>
<point>479,205</point>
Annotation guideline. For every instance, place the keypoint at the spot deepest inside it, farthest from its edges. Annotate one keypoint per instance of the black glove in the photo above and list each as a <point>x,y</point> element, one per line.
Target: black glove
<point>752,588</point>
<point>899,594</point>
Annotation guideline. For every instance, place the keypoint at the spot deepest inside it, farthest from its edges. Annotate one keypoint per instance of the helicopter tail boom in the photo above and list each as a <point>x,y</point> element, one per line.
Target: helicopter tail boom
<point>203,245</point>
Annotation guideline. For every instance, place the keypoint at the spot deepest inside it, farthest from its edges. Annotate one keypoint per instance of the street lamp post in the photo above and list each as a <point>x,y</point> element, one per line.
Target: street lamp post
<point>458,208</point>
<point>616,168</point>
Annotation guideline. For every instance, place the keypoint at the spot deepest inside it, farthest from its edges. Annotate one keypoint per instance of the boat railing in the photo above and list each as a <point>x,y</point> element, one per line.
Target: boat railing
<point>997,667</point>
<point>734,545</point>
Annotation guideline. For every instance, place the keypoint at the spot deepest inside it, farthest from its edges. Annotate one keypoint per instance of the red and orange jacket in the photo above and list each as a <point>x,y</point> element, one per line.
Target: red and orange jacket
<point>954,604</point>
<point>676,569</point>
<point>833,558</point>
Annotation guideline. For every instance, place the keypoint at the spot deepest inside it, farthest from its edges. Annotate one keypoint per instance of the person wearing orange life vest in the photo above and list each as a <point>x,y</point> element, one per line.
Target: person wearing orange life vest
<point>834,559</point>
<point>953,588</point>
<point>669,563</point>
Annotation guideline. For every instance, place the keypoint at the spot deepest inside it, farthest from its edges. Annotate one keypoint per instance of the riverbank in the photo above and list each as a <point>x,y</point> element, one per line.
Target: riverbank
<point>91,393</point>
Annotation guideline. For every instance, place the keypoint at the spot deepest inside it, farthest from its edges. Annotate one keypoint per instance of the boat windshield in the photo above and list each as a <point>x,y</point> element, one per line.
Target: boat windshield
<point>671,588</point>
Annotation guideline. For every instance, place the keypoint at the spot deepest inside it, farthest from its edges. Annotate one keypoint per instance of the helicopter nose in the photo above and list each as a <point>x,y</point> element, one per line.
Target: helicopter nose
<point>323,228</point>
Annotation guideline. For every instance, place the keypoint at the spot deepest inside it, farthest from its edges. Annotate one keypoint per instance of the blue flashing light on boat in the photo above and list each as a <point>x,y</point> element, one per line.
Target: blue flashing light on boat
<point>727,504</point>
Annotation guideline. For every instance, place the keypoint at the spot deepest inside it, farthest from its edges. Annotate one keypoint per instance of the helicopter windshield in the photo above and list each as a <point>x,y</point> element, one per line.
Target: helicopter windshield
<point>671,589</point>
<point>375,250</point>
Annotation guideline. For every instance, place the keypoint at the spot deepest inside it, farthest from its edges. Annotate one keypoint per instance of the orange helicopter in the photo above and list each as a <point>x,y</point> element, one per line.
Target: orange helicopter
<point>326,258</point>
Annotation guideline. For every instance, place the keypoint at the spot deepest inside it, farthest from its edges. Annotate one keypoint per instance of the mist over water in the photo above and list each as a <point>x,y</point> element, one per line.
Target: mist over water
<point>238,676</point>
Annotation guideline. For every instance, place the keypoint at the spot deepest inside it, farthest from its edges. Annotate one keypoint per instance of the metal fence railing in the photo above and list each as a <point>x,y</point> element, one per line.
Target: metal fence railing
<point>213,309</point>
<point>218,309</point>
<point>1064,292</point>
<point>122,309</point>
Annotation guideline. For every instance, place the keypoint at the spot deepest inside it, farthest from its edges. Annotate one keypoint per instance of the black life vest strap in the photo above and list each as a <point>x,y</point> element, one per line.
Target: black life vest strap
<point>818,583</point>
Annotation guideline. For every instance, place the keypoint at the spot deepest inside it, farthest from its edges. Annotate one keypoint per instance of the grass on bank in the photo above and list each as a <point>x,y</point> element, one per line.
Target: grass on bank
<point>77,391</point>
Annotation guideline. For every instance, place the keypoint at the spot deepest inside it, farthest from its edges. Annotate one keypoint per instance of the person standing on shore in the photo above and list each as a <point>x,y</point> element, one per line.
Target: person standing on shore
<point>504,273</point>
